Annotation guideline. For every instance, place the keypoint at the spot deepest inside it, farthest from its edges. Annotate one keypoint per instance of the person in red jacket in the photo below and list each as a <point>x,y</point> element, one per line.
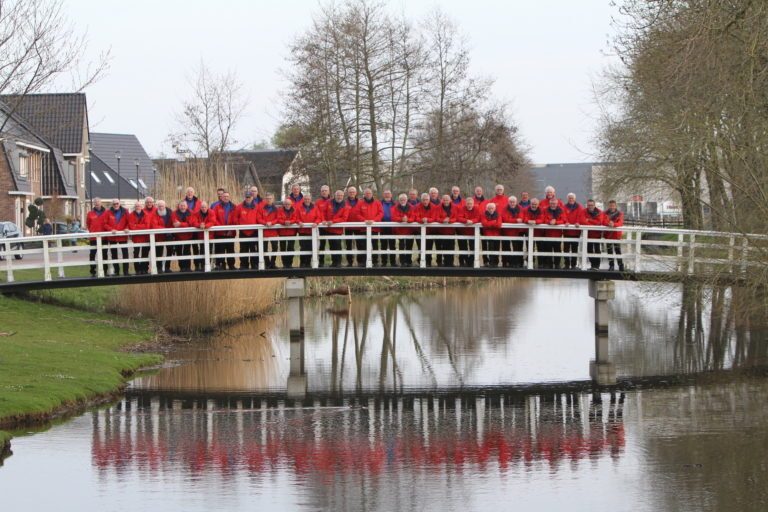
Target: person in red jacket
<point>204,219</point>
<point>296,196</point>
<point>181,217</point>
<point>491,221</point>
<point>573,212</point>
<point>309,213</point>
<point>445,245</point>
<point>480,199</point>
<point>535,215</point>
<point>138,220</point>
<point>368,210</point>
<point>555,217</point>
<point>512,213</point>
<point>225,216</point>
<point>269,215</point>
<point>405,214</point>
<point>499,199</point>
<point>593,216</point>
<point>247,213</point>
<point>193,203</point>
<point>162,220</point>
<point>469,215</point>
<point>287,216</point>
<point>95,222</point>
<point>337,211</point>
<point>117,223</point>
<point>322,205</point>
<point>387,242</point>
<point>525,201</point>
<point>550,193</point>
<point>614,218</point>
<point>427,213</point>
<point>456,198</point>
<point>413,198</point>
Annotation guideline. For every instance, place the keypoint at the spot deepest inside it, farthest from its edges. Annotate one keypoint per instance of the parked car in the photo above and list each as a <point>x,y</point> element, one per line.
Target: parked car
<point>9,230</point>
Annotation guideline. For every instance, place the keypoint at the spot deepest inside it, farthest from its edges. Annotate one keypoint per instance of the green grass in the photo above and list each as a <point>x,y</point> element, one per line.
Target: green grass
<point>59,356</point>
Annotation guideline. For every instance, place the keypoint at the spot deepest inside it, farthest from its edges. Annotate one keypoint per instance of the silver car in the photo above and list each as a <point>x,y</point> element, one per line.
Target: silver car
<point>8,231</point>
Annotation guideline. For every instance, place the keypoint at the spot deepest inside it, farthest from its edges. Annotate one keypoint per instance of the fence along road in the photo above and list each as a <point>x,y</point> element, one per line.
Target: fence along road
<point>647,253</point>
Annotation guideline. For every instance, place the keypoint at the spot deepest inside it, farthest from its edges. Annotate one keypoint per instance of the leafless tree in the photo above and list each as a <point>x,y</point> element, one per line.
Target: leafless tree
<point>40,48</point>
<point>209,117</point>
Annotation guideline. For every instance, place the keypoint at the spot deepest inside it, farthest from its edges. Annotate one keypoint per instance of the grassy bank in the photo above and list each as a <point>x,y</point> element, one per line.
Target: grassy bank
<point>54,360</point>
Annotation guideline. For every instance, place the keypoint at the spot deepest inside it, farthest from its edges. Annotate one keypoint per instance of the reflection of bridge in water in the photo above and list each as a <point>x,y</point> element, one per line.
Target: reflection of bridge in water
<point>153,433</point>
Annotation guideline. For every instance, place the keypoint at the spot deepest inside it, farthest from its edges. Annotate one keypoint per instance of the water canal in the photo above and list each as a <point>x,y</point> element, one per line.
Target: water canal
<point>472,398</point>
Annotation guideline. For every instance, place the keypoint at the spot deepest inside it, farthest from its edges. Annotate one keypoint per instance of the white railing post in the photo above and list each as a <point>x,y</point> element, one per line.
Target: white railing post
<point>731,246</point>
<point>207,250</point>
<point>46,262</point>
<point>8,261</point>
<point>315,247</point>
<point>423,247</point>
<point>680,243</point>
<point>99,256</point>
<point>262,263</point>
<point>368,247</point>
<point>638,250</point>
<point>529,246</point>
<point>584,249</point>
<point>152,255</point>
<point>59,258</point>
<point>691,255</point>
<point>478,247</point>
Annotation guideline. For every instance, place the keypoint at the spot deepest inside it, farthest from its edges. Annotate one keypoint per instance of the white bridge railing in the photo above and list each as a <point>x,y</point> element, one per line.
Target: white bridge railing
<point>642,249</point>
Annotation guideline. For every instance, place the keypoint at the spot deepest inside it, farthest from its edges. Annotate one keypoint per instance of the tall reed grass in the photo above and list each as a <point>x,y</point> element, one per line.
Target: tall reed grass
<point>199,305</point>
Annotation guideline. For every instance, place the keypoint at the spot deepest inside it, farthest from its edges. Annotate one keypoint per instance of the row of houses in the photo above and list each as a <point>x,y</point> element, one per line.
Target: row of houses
<point>47,151</point>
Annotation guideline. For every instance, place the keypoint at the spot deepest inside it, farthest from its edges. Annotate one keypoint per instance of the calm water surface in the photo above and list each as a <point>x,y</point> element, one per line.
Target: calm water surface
<point>460,399</point>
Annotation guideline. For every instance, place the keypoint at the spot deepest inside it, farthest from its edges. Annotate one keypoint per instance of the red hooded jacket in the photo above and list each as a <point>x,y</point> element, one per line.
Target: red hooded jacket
<point>572,216</point>
<point>246,214</point>
<point>139,221</point>
<point>399,213</point>
<point>516,216</point>
<point>208,220</point>
<point>286,217</point>
<point>185,220</point>
<point>269,215</point>
<point>112,224</point>
<point>336,212</point>
<point>96,221</point>
<point>595,218</point>
<point>464,215</point>
<point>442,216</point>
<point>617,216</point>
<point>538,216</point>
<point>559,216</point>
<point>311,214</point>
<point>225,217</point>
<point>366,210</point>
<point>491,223</point>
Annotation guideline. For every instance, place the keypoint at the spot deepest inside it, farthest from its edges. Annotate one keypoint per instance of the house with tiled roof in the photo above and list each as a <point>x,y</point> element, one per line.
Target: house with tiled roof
<point>32,167</point>
<point>62,120</point>
<point>119,168</point>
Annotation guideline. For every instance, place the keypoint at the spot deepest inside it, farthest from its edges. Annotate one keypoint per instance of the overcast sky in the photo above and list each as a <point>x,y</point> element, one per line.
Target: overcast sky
<point>544,56</point>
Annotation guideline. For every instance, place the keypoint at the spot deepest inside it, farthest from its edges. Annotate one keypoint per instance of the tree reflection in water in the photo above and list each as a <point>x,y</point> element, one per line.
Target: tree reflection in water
<point>497,333</point>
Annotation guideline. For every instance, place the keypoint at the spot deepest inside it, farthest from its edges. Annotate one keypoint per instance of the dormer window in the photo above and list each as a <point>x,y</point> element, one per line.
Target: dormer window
<point>24,166</point>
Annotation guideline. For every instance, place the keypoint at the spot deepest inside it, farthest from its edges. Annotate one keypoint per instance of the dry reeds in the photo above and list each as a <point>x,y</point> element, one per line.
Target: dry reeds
<point>199,305</point>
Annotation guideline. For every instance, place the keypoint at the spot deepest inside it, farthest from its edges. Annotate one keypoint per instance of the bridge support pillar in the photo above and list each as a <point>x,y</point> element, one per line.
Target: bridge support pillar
<point>295,290</point>
<point>602,370</point>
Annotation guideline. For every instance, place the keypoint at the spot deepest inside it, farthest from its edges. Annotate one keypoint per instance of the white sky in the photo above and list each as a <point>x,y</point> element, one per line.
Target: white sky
<point>543,54</point>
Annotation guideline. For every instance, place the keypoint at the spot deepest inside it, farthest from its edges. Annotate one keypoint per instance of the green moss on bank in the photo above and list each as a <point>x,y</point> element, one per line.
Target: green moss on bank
<point>52,358</point>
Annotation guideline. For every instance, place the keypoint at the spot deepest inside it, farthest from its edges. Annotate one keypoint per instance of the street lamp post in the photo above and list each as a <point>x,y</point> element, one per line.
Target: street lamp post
<point>138,183</point>
<point>117,155</point>
<point>90,174</point>
<point>154,179</point>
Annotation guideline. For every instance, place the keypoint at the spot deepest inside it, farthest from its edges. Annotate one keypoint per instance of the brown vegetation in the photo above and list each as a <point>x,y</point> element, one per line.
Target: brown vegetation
<point>203,305</point>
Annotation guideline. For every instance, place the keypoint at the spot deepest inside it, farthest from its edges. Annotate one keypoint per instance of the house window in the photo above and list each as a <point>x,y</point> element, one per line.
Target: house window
<point>95,178</point>
<point>71,173</point>
<point>24,166</point>
<point>109,178</point>
<point>143,185</point>
<point>133,183</point>
<point>67,208</point>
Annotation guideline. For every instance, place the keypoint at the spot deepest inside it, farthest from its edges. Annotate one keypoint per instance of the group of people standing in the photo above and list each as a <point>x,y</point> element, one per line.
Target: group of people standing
<point>446,215</point>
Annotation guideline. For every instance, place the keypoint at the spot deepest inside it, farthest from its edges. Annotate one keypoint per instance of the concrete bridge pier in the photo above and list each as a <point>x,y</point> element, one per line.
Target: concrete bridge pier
<point>295,290</point>
<point>602,371</point>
